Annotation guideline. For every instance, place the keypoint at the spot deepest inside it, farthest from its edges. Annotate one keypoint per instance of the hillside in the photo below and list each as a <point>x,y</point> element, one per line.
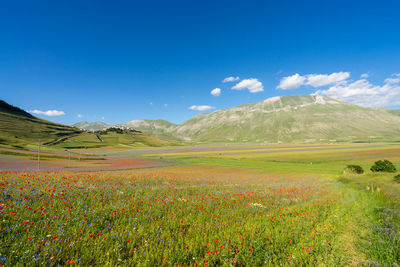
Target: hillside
<point>301,118</point>
<point>112,137</point>
<point>20,129</point>
<point>160,128</point>
<point>298,118</point>
<point>394,111</point>
<point>91,126</point>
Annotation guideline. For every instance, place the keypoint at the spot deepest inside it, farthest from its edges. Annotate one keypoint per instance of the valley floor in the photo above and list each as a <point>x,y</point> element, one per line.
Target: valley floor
<point>215,204</point>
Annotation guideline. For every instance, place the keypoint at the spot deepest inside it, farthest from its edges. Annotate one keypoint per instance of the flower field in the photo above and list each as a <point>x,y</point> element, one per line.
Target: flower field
<point>184,216</point>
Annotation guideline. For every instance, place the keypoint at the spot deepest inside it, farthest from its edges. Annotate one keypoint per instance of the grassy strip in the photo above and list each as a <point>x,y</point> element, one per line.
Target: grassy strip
<point>371,208</point>
<point>380,238</point>
<point>12,153</point>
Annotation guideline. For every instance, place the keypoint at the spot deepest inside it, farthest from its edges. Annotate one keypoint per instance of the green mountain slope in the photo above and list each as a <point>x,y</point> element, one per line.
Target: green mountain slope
<point>20,129</point>
<point>301,118</point>
<point>394,111</point>
<point>298,118</point>
<point>91,126</point>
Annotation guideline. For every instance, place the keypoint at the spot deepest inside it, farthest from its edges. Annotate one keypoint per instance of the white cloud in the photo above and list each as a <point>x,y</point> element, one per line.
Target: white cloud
<point>291,82</point>
<point>200,108</point>
<point>102,118</point>
<point>216,91</point>
<point>230,79</point>
<point>317,80</point>
<point>394,79</point>
<point>165,105</point>
<point>253,85</point>
<point>364,75</point>
<point>50,113</point>
<point>151,103</point>
<point>364,93</point>
<point>79,116</point>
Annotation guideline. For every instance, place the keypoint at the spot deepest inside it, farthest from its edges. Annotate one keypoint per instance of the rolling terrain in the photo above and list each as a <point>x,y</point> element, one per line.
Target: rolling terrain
<point>285,119</point>
<point>19,129</point>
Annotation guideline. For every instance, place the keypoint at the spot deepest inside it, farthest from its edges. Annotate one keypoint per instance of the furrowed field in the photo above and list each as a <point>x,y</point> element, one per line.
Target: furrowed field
<point>162,218</point>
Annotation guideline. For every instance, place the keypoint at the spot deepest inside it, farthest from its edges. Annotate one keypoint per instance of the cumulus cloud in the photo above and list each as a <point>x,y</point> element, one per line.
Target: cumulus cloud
<point>364,93</point>
<point>394,79</point>
<point>230,79</point>
<point>216,91</point>
<point>50,113</point>
<point>253,85</point>
<point>291,82</point>
<point>339,85</point>
<point>200,108</point>
<point>315,80</point>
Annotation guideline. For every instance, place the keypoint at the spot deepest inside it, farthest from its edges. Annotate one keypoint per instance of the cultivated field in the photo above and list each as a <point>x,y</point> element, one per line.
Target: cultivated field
<point>216,205</point>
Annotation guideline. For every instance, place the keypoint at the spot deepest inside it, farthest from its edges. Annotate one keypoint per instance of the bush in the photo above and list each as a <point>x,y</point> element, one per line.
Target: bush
<point>383,166</point>
<point>397,178</point>
<point>354,169</point>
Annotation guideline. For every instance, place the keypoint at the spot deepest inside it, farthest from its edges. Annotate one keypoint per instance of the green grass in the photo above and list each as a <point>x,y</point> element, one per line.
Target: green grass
<point>170,217</point>
<point>313,212</point>
<point>371,207</point>
<point>44,156</point>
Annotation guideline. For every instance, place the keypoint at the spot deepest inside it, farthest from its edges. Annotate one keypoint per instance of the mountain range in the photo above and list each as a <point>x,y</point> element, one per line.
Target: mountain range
<point>282,119</point>
<point>287,119</point>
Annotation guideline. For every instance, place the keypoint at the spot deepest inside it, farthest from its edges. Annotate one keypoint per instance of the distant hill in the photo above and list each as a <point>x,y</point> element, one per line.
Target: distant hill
<point>297,118</point>
<point>18,128</point>
<point>91,126</point>
<point>160,128</point>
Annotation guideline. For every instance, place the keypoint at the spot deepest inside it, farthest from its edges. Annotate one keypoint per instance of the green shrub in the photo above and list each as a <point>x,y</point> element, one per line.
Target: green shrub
<point>383,166</point>
<point>397,178</point>
<point>354,169</point>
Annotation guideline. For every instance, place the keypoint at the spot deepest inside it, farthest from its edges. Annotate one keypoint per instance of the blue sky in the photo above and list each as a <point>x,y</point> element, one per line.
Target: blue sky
<point>122,60</point>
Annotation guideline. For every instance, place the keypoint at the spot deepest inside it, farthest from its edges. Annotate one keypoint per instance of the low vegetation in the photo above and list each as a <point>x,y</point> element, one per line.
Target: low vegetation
<point>354,169</point>
<point>170,217</point>
<point>383,166</point>
<point>272,205</point>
